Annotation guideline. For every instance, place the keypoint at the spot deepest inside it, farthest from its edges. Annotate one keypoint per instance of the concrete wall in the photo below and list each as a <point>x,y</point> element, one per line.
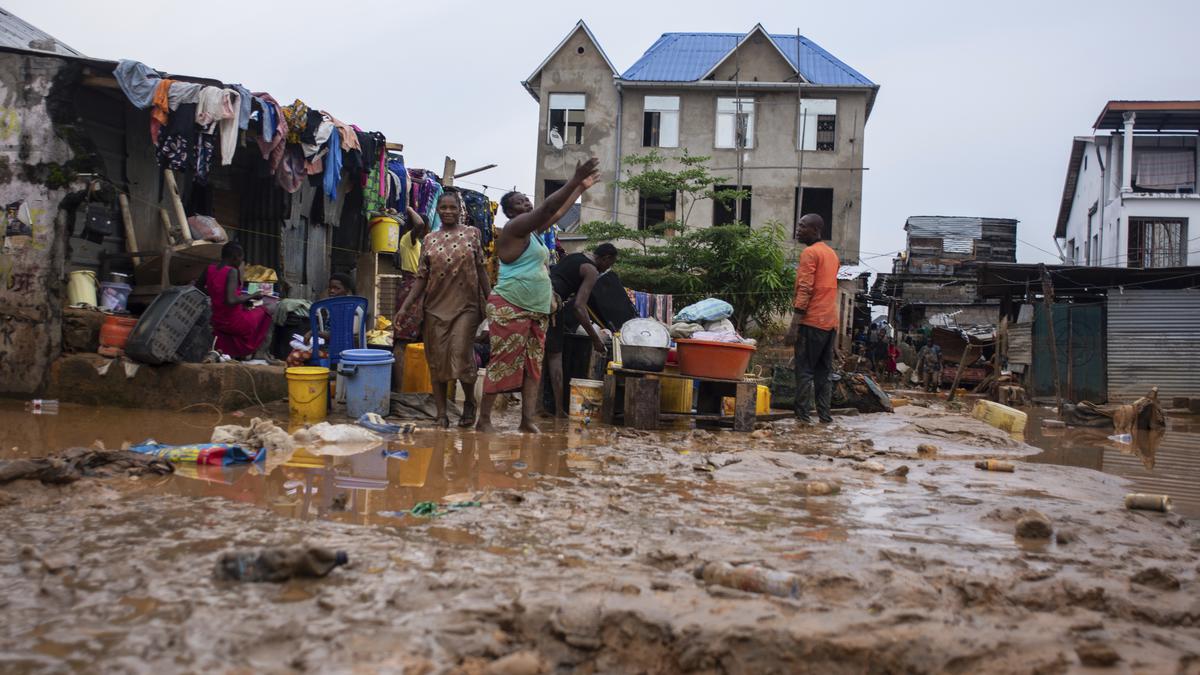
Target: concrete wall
<point>758,60</point>
<point>770,166</point>
<point>33,156</point>
<point>571,72</point>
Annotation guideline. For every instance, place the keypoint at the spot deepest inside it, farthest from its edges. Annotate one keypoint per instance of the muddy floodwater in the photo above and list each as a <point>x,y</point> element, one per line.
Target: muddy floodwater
<point>577,549</point>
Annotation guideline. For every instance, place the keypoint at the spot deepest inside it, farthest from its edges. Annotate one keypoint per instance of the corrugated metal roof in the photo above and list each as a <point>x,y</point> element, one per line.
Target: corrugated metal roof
<point>686,57</point>
<point>15,32</point>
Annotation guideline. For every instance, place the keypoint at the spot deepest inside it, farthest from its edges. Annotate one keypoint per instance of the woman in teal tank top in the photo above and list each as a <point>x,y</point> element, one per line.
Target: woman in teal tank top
<point>518,310</point>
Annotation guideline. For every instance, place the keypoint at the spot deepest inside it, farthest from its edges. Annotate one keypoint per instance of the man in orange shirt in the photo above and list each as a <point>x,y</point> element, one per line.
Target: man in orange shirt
<point>815,320</point>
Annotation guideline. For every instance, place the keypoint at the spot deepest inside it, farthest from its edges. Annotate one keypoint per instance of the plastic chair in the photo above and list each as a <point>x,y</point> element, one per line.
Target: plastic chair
<point>340,327</point>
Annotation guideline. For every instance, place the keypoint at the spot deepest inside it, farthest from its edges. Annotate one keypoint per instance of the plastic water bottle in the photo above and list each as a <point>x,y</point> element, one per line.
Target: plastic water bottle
<point>42,406</point>
<point>278,564</point>
<point>750,578</point>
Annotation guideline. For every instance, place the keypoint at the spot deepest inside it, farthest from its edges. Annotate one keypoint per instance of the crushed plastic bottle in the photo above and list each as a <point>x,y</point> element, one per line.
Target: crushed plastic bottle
<point>995,465</point>
<point>42,406</point>
<point>278,564</point>
<point>750,578</point>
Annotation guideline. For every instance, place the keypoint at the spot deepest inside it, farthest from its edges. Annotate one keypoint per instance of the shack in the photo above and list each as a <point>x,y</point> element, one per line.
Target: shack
<point>91,181</point>
<point>935,274</point>
<point>1117,332</point>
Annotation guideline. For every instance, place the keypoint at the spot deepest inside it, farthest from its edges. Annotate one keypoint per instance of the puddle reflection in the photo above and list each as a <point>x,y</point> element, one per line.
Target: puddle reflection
<point>1158,461</point>
<point>372,486</point>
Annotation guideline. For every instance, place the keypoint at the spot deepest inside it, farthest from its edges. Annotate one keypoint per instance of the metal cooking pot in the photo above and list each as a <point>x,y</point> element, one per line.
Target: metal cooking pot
<point>651,359</point>
<point>644,333</point>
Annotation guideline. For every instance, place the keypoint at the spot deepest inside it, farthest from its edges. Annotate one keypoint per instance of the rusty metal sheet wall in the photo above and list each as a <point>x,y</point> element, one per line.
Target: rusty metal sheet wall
<point>1153,340</point>
<point>1020,343</point>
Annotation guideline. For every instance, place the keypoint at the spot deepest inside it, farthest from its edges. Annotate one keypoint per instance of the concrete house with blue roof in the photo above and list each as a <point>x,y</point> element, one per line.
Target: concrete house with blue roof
<point>778,111</point>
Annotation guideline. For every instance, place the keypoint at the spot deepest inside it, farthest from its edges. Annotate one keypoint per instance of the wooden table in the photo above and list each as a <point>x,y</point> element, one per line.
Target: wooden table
<point>633,397</point>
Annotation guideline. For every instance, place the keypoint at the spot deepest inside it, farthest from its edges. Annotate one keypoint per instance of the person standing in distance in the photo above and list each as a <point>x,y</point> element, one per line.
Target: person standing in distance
<point>813,331</point>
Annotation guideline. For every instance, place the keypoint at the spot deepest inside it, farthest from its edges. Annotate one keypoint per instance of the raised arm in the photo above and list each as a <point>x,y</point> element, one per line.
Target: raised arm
<point>544,214</point>
<point>562,210</point>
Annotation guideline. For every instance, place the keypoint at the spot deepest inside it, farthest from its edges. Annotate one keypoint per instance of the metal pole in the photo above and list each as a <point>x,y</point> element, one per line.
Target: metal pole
<point>801,123</point>
<point>737,129</point>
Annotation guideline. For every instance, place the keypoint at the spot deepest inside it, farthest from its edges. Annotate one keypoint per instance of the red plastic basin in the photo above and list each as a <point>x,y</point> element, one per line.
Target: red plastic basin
<point>717,360</point>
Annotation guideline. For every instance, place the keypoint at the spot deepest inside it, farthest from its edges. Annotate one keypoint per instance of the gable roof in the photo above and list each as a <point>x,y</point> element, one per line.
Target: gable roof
<point>1078,148</point>
<point>17,33</point>
<point>758,28</point>
<point>689,57</point>
<point>578,26</point>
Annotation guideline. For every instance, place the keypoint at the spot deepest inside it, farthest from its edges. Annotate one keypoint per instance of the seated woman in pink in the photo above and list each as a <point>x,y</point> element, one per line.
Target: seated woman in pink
<point>239,328</point>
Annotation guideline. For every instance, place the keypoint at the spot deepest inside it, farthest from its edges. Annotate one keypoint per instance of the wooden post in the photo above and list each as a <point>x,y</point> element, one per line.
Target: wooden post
<point>745,407</point>
<point>131,243</point>
<point>177,205</point>
<point>448,172</point>
<point>608,404</point>
<point>642,402</point>
<point>962,364</point>
<point>1048,303</point>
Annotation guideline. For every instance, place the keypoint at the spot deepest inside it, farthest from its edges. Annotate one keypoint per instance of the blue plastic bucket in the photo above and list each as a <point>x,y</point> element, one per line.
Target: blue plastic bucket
<point>367,374</point>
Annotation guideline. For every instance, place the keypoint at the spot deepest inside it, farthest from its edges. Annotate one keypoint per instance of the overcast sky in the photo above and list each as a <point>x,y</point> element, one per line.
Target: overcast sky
<point>978,105</point>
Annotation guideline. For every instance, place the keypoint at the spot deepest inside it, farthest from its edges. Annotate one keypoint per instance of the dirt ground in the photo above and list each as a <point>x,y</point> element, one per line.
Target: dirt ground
<point>581,559</point>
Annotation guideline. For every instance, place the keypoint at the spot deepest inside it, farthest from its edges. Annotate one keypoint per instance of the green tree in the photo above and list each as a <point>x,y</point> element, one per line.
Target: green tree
<point>745,267</point>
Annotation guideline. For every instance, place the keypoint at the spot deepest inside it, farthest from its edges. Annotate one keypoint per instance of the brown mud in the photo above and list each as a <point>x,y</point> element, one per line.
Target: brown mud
<point>580,557</point>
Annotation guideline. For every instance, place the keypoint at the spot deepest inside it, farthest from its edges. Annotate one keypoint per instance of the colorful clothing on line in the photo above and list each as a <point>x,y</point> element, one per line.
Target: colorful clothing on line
<point>518,345</point>
<point>161,109</point>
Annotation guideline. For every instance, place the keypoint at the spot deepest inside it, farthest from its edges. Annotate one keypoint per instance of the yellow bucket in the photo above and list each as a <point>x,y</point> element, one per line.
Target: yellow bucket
<point>385,234</point>
<point>675,395</point>
<point>416,371</point>
<point>81,288</point>
<point>763,407</point>
<point>308,393</point>
<point>586,397</point>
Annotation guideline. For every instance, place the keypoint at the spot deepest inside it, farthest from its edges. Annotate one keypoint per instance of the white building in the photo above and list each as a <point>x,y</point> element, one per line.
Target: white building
<point>1130,198</point>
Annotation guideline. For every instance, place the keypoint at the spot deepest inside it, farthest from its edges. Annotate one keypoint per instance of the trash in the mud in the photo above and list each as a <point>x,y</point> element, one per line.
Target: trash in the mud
<point>1096,655</point>
<point>517,663</point>
<point>927,451</point>
<point>278,564</point>
<point>710,466</point>
<point>761,434</point>
<point>898,472</point>
<point>995,465</point>
<point>750,578</point>
<point>260,434</point>
<point>75,463</point>
<point>42,406</point>
<point>820,488</point>
<point>1137,501</point>
<point>1050,423</point>
<point>1000,416</point>
<point>431,509</point>
<point>214,454</point>
<point>376,423</point>
<point>336,439</point>
<point>1034,525</point>
<point>1121,438</point>
<point>872,466</point>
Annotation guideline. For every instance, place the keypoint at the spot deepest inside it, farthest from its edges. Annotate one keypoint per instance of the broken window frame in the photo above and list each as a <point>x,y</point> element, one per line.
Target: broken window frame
<point>566,112</point>
<point>731,111</point>
<point>660,122</point>
<point>1156,243</point>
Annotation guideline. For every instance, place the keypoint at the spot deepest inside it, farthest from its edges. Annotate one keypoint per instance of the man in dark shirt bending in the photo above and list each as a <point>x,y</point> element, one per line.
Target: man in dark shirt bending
<point>573,278</point>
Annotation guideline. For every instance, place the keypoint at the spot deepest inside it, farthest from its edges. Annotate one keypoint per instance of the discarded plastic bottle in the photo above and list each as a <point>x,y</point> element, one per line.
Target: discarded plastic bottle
<point>1145,502</point>
<point>278,564</point>
<point>995,465</point>
<point>750,578</point>
<point>42,406</point>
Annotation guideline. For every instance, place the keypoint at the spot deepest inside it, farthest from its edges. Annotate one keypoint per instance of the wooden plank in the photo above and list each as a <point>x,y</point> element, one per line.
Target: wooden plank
<point>176,204</point>
<point>448,172</point>
<point>676,376</point>
<point>642,403</point>
<point>608,404</point>
<point>131,243</point>
<point>745,407</point>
